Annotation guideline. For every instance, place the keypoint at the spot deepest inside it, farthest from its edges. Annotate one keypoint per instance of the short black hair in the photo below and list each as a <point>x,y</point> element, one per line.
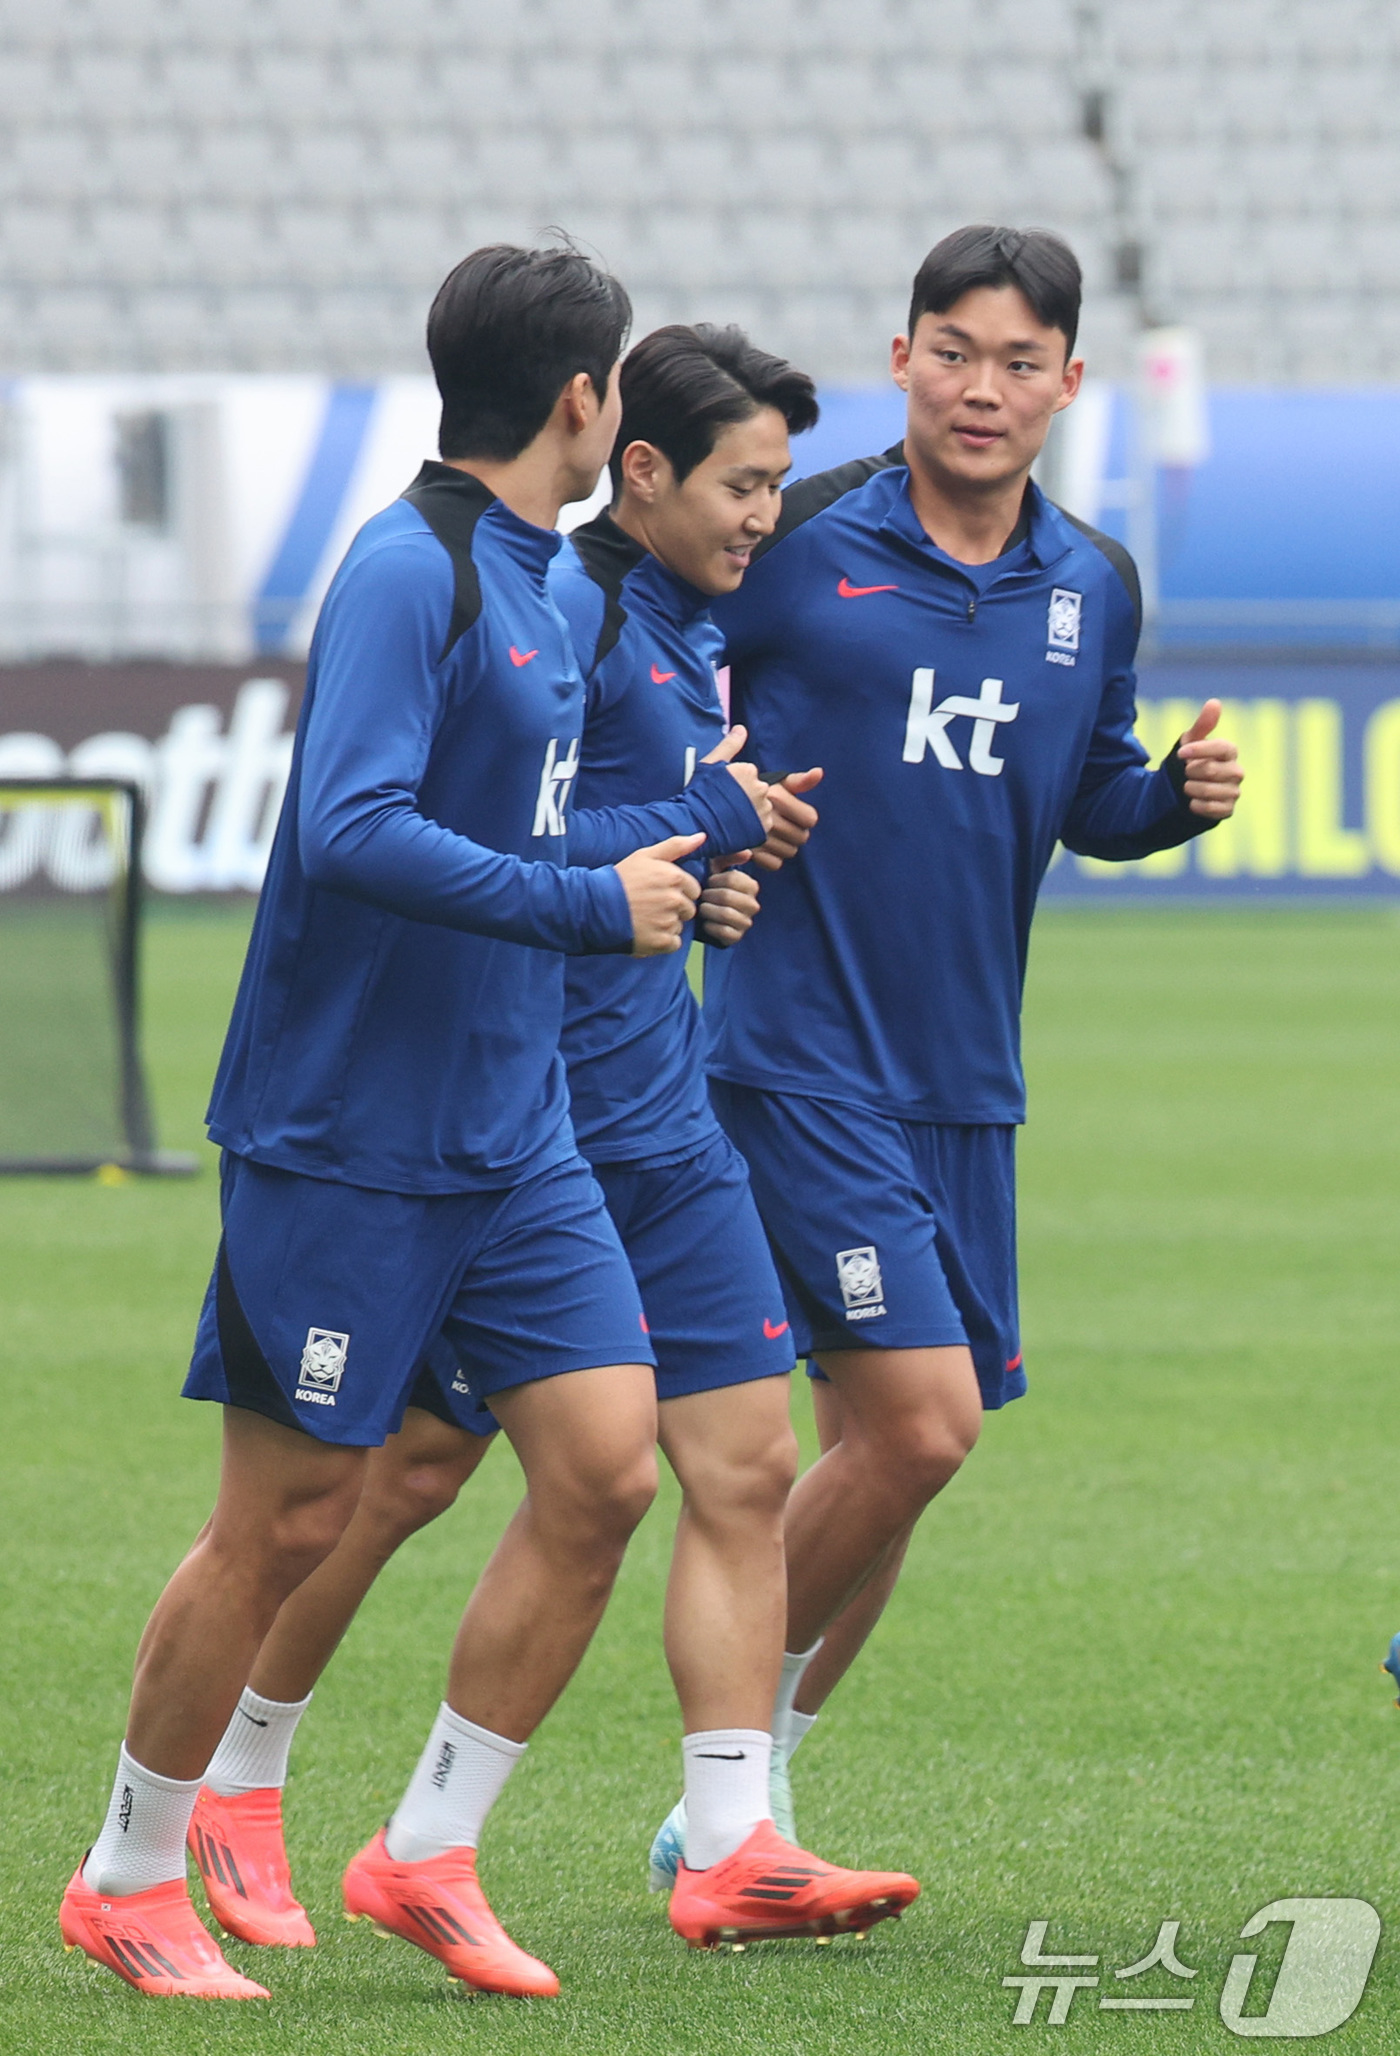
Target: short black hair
<point>681,385</point>
<point>507,331</point>
<point>1040,264</point>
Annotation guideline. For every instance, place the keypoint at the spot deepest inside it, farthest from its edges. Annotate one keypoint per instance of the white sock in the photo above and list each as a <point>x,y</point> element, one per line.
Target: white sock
<point>142,1842</point>
<point>457,1782</point>
<point>253,1753</point>
<point>784,1713</point>
<point>726,1791</point>
<point>798,1725</point>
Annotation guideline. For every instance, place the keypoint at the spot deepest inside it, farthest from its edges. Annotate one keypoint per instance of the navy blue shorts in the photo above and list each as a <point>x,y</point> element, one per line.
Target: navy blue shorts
<point>887,1234</point>
<point>714,1308</point>
<point>326,1298</point>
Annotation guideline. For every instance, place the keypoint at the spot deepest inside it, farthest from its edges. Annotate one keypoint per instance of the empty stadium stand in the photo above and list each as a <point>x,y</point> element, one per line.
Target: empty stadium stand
<point>279,184</point>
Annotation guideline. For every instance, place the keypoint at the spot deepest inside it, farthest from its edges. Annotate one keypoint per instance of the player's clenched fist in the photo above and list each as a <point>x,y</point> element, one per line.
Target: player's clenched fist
<point>755,791</point>
<point>661,897</point>
<point>1213,774</point>
<point>729,902</point>
<point>793,819</point>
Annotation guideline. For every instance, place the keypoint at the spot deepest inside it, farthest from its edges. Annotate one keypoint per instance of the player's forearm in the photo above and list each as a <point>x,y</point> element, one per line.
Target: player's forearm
<point>714,804</point>
<point>1131,814</point>
<point>393,857</point>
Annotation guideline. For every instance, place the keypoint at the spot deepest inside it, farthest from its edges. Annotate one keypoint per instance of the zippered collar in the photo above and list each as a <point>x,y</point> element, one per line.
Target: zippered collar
<point>1045,539</point>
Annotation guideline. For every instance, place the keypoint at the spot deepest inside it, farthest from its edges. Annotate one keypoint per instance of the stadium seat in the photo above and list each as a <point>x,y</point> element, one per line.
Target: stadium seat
<point>641,126</point>
<point>57,164</point>
<point>413,163</point>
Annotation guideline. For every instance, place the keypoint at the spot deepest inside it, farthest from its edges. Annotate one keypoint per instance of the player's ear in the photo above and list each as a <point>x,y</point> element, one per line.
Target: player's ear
<point>1073,379</point>
<point>579,402</point>
<point>642,467</point>
<point>899,361</point>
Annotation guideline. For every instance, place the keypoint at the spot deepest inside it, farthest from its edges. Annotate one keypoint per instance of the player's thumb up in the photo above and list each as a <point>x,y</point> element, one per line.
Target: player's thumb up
<point>729,746</point>
<point>1205,723</point>
<point>660,896</point>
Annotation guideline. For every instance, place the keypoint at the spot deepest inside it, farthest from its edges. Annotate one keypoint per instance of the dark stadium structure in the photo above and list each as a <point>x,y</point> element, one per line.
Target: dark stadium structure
<point>73,1092</point>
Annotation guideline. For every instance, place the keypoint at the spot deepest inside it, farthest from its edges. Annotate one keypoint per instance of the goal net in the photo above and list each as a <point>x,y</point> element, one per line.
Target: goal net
<point>72,1086</point>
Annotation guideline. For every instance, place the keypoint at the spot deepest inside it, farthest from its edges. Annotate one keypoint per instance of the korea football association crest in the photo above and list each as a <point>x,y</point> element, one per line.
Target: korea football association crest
<point>1062,633</point>
<point>322,1366</point>
<point>862,1288</point>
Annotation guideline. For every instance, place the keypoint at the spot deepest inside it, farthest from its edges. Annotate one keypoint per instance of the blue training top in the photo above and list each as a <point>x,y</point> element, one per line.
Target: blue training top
<point>398,1017</point>
<point>966,717</point>
<point>633,1040</point>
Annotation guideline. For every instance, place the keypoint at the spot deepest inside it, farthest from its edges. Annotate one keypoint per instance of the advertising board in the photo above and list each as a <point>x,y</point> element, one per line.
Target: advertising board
<point>211,745</point>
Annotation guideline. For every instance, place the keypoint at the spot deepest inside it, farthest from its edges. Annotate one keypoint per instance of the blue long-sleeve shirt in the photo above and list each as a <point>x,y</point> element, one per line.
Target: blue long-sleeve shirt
<point>398,1018</point>
<point>966,718</point>
<point>632,1038</point>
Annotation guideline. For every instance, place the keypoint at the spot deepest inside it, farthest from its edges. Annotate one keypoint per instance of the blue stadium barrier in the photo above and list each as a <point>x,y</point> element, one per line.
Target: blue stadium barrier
<point>1320,810</point>
<point>313,516</point>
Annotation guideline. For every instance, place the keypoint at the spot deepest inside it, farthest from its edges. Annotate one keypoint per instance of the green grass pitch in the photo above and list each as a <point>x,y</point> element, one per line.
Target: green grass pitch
<point>1130,1675</point>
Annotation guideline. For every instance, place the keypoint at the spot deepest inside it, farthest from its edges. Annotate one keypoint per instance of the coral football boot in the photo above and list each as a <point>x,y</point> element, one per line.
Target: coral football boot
<point>439,1906</point>
<point>242,1859</point>
<point>768,1890</point>
<point>153,1939</point>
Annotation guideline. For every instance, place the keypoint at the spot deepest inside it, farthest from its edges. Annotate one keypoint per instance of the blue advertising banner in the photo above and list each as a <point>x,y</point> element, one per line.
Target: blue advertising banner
<point>1320,810</point>
<point>1320,743</point>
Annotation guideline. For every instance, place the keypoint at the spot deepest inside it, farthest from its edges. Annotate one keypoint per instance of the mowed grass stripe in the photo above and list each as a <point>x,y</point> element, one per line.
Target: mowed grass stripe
<point>1130,1674</point>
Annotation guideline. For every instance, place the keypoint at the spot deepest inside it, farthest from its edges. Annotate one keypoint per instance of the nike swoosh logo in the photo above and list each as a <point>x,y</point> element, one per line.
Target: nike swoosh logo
<point>847,591</point>
<point>722,1755</point>
<point>517,659</point>
<point>661,677</point>
<point>252,1717</point>
<point>773,1333</point>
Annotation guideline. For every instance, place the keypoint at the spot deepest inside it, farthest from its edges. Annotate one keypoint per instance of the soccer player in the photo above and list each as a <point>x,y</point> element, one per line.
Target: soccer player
<point>700,459</point>
<point>399,1164</point>
<point>958,653</point>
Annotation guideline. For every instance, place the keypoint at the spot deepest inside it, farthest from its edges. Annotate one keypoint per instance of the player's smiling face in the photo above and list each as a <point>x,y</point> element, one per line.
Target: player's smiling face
<point>705,526</point>
<point>984,378</point>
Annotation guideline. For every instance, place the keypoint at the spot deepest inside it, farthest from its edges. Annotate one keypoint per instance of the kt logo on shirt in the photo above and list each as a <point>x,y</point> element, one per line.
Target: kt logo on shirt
<point>927,726</point>
<point>555,779</point>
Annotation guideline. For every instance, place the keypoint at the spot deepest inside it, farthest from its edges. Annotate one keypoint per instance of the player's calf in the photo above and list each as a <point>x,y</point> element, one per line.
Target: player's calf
<point>734,1454</point>
<point>587,1444</point>
<point>236,1835</point>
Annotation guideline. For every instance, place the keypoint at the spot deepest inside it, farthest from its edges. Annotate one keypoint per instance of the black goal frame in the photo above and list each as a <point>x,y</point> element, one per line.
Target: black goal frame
<point>138,1153</point>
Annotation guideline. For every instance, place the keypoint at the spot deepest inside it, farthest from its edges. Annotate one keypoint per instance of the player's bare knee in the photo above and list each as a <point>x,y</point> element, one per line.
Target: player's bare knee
<point>606,1510</point>
<point>414,1497</point>
<point>429,1490</point>
<point>299,1536</point>
<point>930,1455</point>
<point>632,1492</point>
<point>724,1484</point>
<point>761,1482</point>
